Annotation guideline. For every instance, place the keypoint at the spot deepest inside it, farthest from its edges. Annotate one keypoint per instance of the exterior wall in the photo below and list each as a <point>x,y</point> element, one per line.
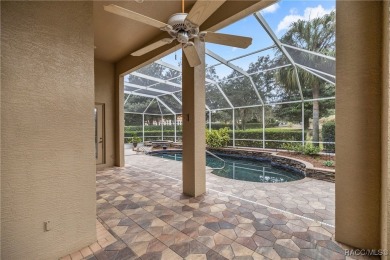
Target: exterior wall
<point>48,164</point>
<point>358,126</point>
<point>385,220</point>
<point>104,93</point>
<point>0,139</point>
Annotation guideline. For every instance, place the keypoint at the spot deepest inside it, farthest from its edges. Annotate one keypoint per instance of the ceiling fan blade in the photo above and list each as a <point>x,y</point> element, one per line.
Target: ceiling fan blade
<point>152,47</point>
<point>202,10</point>
<point>191,54</point>
<point>134,16</point>
<point>227,39</point>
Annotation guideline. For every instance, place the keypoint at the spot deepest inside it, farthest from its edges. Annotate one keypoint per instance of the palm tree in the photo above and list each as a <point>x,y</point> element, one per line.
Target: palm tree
<point>317,35</point>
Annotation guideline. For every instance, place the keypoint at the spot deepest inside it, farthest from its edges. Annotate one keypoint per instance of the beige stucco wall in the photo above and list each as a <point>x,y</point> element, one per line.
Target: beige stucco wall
<point>119,129</point>
<point>105,94</point>
<point>385,182</point>
<point>48,164</point>
<point>0,140</point>
<point>358,125</point>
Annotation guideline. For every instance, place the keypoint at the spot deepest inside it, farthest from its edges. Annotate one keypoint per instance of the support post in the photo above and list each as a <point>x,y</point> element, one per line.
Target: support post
<point>162,127</point>
<point>194,121</point>
<point>303,123</point>
<point>360,113</point>
<point>174,123</point>
<point>263,120</point>
<point>234,128</point>
<point>143,128</point>
<point>119,122</point>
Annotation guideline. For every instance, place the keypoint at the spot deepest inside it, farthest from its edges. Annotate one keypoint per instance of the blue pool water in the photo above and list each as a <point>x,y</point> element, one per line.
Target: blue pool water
<point>241,168</point>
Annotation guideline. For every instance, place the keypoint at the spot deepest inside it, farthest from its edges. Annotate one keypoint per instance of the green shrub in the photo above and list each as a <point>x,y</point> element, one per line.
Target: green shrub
<point>329,163</point>
<point>328,135</point>
<point>134,138</point>
<point>217,138</point>
<point>308,149</point>
<point>289,146</point>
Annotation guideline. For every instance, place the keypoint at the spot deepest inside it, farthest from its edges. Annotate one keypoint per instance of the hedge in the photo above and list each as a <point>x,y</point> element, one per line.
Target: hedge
<point>270,134</point>
<point>247,125</point>
<point>129,129</point>
<point>154,133</point>
<point>259,144</point>
<point>215,126</point>
<point>328,135</point>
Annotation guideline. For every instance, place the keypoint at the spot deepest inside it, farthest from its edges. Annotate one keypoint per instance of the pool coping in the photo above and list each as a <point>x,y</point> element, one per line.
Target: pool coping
<point>276,160</point>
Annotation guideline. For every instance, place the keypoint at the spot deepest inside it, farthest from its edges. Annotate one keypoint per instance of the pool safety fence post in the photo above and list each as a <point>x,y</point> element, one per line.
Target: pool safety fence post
<point>143,128</point>
<point>263,120</point>
<point>303,123</point>
<point>174,125</point>
<point>234,129</point>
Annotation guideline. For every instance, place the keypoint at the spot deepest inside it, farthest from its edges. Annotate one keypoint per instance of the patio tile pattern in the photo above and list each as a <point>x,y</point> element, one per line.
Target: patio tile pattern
<point>151,219</point>
<point>308,197</point>
<point>104,240</point>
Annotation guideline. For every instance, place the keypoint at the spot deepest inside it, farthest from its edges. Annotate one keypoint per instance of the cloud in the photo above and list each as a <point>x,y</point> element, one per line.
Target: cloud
<point>309,14</point>
<point>270,9</point>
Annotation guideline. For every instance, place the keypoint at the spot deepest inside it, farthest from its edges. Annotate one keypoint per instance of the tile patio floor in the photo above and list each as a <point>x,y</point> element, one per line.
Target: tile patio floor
<point>143,207</point>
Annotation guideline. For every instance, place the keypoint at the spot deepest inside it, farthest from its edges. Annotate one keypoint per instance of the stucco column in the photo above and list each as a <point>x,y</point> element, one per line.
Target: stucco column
<point>119,122</point>
<point>358,122</point>
<point>194,125</point>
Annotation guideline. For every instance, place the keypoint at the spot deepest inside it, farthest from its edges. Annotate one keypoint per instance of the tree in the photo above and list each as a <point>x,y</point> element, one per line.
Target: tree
<point>239,89</point>
<point>317,35</point>
<point>136,103</point>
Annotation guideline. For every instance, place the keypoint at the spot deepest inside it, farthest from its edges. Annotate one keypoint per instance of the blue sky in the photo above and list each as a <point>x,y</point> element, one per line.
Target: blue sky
<point>279,16</point>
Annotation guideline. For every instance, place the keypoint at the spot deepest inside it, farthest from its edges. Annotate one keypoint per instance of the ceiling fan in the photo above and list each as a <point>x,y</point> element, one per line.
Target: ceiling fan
<point>184,27</point>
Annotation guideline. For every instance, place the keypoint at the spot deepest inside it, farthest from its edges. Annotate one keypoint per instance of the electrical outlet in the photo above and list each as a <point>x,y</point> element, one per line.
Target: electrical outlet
<point>47,225</point>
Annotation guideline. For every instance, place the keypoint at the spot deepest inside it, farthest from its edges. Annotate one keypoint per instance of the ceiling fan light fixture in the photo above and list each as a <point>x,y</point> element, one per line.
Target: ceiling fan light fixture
<point>183,37</point>
<point>183,27</point>
<point>177,21</point>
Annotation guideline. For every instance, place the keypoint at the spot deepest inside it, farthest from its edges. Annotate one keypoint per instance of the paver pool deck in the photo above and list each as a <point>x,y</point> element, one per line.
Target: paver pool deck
<point>143,207</point>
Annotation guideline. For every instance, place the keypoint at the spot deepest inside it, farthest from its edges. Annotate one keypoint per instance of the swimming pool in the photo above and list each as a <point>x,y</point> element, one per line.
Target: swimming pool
<point>240,168</point>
